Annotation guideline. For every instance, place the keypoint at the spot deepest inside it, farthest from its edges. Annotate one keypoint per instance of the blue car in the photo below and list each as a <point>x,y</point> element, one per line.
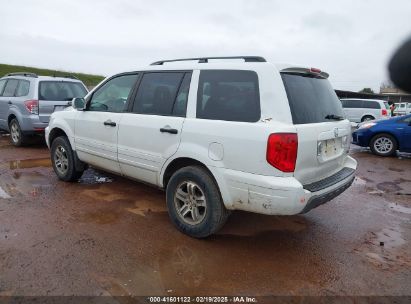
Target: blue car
<point>384,137</point>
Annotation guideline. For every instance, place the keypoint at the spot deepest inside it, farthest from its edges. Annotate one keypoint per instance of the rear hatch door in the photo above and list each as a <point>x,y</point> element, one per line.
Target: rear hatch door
<point>323,134</point>
<point>56,95</point>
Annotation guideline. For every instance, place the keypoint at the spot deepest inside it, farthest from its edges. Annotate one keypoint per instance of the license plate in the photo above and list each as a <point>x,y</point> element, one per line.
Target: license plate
<point>330,147</point>
<point>59,108</point>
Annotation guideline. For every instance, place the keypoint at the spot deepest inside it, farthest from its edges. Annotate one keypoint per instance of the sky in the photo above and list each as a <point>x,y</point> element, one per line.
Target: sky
<point>350,39</point>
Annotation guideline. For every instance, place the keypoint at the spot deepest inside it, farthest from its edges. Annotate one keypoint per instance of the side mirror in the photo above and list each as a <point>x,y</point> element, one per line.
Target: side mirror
<point>78,103</point>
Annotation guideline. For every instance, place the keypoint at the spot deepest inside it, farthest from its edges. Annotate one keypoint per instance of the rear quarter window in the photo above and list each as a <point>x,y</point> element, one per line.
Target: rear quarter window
<point>23,88</point>
<point>368,104</point>
<point>230,95</point>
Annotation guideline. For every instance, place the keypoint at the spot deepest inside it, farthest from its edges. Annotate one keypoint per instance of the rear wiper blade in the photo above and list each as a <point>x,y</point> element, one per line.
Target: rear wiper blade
<point>334,117</point>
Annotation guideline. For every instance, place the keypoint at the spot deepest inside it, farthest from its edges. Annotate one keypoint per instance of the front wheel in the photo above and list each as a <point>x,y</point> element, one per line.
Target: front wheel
<point>383,145</point>
<point>62,159</point>
<point>194,202</point>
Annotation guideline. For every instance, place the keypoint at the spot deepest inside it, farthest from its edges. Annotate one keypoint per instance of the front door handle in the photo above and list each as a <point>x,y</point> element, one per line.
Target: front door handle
<point>10,103</point>
<point>167,129</point>
<point>110,123</point>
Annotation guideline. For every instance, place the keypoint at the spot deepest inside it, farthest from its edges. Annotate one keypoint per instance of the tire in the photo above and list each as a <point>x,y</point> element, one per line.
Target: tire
<point>367,118</point>
<point>62,159</point>
<point>196,190</point>
<point>16,136</point>
<point>383,144</point>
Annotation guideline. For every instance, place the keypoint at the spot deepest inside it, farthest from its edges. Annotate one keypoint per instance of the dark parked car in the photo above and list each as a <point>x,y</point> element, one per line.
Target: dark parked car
<point>384,137</point>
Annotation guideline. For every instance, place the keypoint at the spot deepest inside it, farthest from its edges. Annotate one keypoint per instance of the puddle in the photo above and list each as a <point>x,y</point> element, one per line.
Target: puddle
<point>399,208</point>
<point>390,237</point>
<point>396,169</point>
<point>388,187</point>
<point>91,177</point>
<point>3,194</point>
<point>26,183</point>
<point>358,181</point>
<point>29,163</point>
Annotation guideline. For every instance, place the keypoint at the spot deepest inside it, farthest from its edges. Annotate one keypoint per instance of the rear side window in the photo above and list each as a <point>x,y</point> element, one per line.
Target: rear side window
<point>157,94</point>
<point>311,98</point>
<point>23,88</point>
<point>2,84</point>
<point>351,103</point>
<point>60,90</point>
<point>368,104</point>
<point>229,95</point>
<point>10,88</point>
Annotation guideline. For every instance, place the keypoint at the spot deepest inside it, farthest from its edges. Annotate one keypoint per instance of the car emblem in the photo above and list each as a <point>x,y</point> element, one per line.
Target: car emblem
<point>335,132</point>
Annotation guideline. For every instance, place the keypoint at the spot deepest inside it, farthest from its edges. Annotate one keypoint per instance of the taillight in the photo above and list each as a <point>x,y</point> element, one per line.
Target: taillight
<point>282,151</point>
<point>384,112</point>
<point>32,106</point>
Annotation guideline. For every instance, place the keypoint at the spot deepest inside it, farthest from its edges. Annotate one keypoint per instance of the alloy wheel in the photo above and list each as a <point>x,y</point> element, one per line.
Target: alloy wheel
<point>61,160</point>
<point>190,203</point>
<point>383,145</point>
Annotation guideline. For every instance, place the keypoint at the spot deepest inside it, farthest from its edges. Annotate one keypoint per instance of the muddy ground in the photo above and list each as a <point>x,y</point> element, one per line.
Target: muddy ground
<point>110,236</point>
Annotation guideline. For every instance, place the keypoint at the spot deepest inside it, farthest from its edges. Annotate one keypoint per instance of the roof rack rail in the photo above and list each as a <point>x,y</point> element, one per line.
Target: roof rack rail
<point>205,59</point>
<point>66,76</point>
<point>28,74</point>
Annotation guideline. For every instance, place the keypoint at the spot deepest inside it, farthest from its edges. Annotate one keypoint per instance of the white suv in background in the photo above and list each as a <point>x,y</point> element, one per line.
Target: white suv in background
<point>216,134</point>
<point>360,110</point>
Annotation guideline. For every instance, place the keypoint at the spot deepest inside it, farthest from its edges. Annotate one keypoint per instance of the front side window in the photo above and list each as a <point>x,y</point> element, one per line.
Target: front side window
<point>113,95</point>
<point>2,84</point>
<point>157,94</point>
<point>10,88</point>
<point>23,88</point>
<point>229,95</point>
<point>60,90</point>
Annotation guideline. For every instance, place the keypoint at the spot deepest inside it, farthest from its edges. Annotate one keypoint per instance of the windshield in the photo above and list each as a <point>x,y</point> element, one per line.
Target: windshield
<point>61,90</point>
<point>312,99</point>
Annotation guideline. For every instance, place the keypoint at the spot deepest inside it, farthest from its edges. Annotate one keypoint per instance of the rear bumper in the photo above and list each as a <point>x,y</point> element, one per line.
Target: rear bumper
<point>281,195</point>
<point>317,200</point>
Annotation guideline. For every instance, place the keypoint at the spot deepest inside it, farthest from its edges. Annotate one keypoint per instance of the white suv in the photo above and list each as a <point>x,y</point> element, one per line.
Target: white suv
<point>217,133</point>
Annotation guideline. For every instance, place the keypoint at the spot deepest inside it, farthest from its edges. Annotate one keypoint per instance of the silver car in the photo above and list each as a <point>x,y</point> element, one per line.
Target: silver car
<point>27,101</point>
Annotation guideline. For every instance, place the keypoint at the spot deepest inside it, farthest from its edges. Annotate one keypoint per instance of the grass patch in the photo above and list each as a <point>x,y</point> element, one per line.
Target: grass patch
<point>88,79</point>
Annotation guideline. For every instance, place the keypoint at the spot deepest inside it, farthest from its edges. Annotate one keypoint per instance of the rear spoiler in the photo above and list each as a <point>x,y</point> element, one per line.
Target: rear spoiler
<point>310,71</point>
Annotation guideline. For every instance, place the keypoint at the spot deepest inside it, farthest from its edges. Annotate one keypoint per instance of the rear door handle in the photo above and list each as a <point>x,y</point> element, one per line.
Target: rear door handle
<point>168,130</point>
<point>110,123</point>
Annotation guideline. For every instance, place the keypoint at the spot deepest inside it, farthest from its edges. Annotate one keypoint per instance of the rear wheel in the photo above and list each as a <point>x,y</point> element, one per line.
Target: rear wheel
<point>16,135</point>
<point>383,144</point>
<point>62,159</point>
<point>367,118</point>
<point>194,202</point>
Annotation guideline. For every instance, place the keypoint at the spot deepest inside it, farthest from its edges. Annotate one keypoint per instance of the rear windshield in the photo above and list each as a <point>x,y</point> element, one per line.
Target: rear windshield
<point>60,90</point>
<point>311,99</point>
